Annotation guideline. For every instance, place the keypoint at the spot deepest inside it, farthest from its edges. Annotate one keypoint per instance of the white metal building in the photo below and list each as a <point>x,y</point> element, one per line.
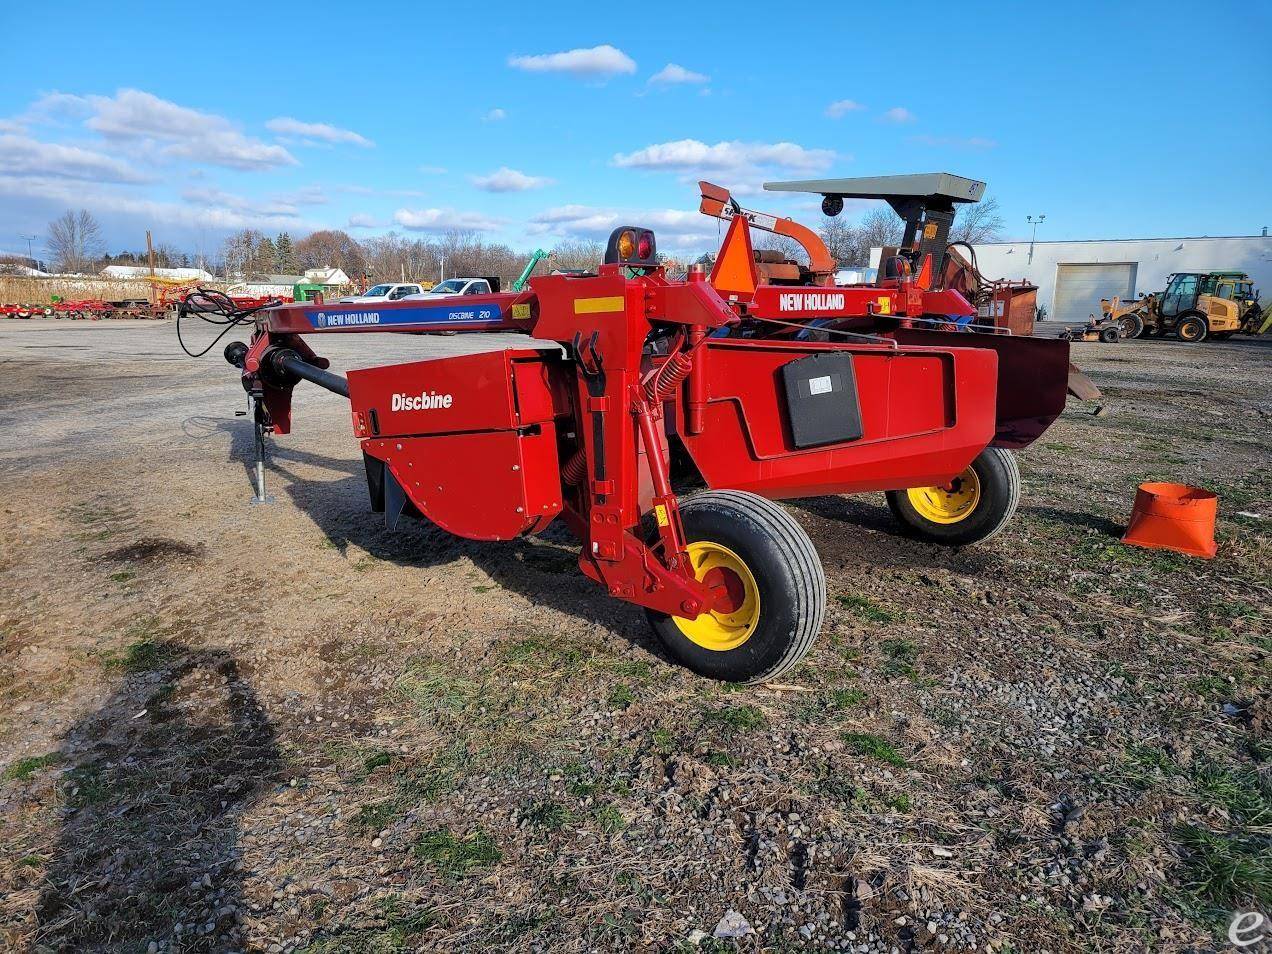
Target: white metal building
<point>1072,277</point>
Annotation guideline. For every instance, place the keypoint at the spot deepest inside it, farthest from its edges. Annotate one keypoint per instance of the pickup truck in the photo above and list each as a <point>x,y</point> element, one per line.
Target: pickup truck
<point>454,287</point>
<point>388,291</point>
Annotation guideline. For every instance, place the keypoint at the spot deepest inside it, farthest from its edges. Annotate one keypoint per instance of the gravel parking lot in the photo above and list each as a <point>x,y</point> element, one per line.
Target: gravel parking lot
<point>280,728</point>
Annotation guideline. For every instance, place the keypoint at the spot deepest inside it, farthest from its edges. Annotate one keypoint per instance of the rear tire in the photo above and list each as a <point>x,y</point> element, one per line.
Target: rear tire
<point>754,549</point>
<point>1191,328</point>
<point>976,506</point>
<point>1111,335</point>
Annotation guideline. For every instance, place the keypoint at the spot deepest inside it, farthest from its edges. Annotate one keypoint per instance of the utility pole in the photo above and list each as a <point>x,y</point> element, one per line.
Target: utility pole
<point>32,238</point>
<point>150,260</point>
<point>1036,222</point>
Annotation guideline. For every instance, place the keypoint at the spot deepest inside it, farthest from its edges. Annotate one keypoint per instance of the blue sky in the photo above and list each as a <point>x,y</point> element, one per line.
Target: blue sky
<point>536,122</point>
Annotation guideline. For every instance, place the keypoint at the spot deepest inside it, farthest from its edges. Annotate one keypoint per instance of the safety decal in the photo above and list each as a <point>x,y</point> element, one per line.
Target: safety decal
<point>427,315</point>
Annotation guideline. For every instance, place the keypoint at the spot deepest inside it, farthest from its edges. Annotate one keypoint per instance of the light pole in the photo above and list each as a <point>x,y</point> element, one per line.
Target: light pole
<point>1035,222</point>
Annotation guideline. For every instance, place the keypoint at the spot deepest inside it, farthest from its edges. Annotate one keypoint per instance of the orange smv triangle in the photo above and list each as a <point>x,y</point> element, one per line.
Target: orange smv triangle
<point>734,271</point>
<point>924,280</point>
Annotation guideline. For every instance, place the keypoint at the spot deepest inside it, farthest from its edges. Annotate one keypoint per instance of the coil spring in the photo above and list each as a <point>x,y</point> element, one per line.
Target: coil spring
<point>674,370</point>
<point>575,469</point>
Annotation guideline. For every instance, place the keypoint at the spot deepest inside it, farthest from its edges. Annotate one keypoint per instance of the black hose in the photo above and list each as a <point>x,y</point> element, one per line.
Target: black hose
<point>216,308</point>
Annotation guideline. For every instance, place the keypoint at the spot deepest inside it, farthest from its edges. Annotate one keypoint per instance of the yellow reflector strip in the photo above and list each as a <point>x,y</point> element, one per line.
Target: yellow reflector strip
<point>885,306</point>
<point>660,514</point>
<point>590,306</point>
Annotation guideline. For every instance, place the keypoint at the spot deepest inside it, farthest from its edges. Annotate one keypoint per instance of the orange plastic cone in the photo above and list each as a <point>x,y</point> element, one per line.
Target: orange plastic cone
<point>1174,517</point>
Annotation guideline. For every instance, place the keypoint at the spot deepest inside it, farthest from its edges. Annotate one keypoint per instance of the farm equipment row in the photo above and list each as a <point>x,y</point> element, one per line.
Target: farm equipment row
<point>761,381</point>
<point>96,309</point>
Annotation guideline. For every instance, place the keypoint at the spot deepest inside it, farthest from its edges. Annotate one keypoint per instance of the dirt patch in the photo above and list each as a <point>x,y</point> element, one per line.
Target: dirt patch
<point>155,548</point>
<point>296,731</point>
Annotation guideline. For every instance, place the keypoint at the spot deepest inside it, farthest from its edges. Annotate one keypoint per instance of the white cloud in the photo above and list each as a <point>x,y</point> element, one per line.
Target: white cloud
<point>955,142</point>
<point>675,73</point>
<point>11,126</point>
<point>899,114</point>
<point>105,201</point>
<point>583,221</point>
<point>360,220</point>
<point>134,115</point>
<point>509,180</point>
<point>692,154</point>
<point>842,107</point>
<point>495,115</point>
<point>604,60</point>
<point>444,220</point>
<point>213,198</point>
<point>23,156</point>
<point>305,195</point>
<point>316,132</point>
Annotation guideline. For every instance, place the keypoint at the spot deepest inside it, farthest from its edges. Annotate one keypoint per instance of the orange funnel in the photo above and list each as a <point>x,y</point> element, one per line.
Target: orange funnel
<point>1174,517</point>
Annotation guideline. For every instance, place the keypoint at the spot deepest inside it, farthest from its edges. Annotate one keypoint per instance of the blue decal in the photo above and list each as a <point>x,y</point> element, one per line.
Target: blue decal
<point>367,316</point>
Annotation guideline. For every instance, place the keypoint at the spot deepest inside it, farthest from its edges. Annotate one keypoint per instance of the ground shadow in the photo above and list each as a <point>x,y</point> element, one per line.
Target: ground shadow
<point>1077,518</point>
<point>880,542</point>
<point>160,776</point>
<point>543,569</point>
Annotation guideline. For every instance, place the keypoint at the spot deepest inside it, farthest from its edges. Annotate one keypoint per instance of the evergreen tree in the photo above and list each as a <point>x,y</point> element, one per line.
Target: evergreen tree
<point>266,259</point>
<point>287,263</point>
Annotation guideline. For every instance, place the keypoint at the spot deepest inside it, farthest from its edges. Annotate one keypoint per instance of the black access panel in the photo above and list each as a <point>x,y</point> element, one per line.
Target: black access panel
<point>821,399</point>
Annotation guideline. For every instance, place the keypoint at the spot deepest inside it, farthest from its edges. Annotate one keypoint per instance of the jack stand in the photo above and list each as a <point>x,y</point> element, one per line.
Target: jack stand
<point>261,497</point>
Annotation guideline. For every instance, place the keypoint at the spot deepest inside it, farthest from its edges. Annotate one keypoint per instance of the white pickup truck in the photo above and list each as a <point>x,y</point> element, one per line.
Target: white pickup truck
<point>388,291</point>
<point>454,287</point>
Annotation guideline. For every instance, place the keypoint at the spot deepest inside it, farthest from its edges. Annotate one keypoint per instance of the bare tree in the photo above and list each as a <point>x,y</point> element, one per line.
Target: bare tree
<point>841,241</point>
<point>75,239</point>
<point>330,247</point>
<point>977,222</point>
<point>879,227</point>
<point>576,255</point>
<point>239,252</point>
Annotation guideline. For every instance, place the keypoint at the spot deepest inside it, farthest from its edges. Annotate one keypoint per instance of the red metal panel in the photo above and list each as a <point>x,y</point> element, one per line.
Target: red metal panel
<point>446,395</point>
<point>485,485</point>
<point>926,413</point>
<point>1033,379</point>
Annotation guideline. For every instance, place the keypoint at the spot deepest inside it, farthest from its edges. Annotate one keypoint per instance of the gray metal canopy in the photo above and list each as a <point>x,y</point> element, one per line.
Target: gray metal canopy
<point>938,188</point>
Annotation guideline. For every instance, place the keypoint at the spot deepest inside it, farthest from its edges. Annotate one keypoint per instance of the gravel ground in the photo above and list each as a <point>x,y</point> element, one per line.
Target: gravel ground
<point>280,728</point>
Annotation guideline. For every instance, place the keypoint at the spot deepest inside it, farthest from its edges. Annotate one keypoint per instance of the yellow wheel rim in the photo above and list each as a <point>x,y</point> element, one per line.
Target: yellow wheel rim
<point>948,504</point>
<point>732,623</point>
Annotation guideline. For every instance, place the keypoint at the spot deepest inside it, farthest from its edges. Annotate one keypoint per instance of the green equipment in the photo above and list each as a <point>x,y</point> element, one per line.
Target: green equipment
<point>536,257</point>
<point>304,291</point>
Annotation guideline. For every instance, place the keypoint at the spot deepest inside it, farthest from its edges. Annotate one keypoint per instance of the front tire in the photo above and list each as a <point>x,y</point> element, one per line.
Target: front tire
<point>753,552</point>
<point>1191,328</point>
<point>973,507</point>
<point>1132,326</point>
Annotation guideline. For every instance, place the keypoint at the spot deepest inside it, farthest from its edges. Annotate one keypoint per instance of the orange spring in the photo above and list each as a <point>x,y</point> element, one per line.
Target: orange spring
<point>575,469</point>
<point>674,370</point>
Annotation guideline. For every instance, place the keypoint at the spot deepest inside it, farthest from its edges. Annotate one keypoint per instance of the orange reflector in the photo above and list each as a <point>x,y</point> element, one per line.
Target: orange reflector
<point>626,246</point>
<point>1174,517</point>
<point>734,271</point>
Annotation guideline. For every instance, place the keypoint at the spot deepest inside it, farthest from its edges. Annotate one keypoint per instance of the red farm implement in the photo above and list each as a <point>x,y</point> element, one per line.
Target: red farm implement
<point>761,391</point>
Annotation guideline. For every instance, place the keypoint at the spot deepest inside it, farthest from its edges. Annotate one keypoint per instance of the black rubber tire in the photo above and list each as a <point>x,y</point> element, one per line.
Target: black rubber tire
<point>788,574</point>
<point>1191,328</point>
<point>1131,325</point>
<point>999,478</point>
<point>1111,334</point>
